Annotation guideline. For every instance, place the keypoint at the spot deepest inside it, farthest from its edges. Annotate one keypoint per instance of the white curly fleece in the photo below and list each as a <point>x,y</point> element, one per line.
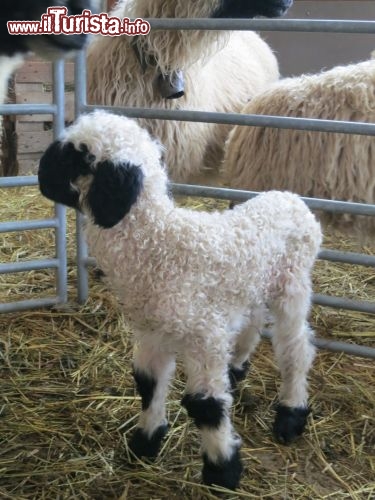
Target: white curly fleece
<point>197,284</point>
<point>187,276</point>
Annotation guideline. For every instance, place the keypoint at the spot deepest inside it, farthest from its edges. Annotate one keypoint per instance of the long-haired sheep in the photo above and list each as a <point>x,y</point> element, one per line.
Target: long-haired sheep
<point>191,284</point>
<point>319,164</point>
<point>13,48</point>
<point>222,71</point>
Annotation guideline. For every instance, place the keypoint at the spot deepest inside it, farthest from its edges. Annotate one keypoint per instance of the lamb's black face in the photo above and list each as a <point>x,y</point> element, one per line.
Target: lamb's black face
<point>59,167</point>
<point>50,46</point>
<point>252,8</point>
<point>111,190</point>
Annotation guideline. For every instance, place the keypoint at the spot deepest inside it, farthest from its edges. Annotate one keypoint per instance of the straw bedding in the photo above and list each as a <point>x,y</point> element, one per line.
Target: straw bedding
<point>68,400</point>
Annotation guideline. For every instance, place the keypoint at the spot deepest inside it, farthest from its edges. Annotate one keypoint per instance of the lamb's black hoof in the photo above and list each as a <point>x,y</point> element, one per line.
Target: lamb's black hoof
<point>226,473</point>
<point>143,446</point>
<point>289,423</point>
<point>238,374</point>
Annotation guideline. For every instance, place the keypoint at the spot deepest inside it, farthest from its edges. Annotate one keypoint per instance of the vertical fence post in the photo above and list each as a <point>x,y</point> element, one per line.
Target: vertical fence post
<point>60,210</point>
<point>82,252</point>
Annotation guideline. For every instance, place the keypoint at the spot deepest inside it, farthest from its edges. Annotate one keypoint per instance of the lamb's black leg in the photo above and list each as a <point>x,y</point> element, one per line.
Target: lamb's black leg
<point>289,423</point>
<point>208,400</point>
<point>221,456</point>
<point>152,372</point>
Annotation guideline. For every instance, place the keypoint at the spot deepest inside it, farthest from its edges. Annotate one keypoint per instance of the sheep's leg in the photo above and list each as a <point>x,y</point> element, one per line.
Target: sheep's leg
<point>245,344</point>
<point>294,353</point>
<point>152,372</point>
<point>207,401</point>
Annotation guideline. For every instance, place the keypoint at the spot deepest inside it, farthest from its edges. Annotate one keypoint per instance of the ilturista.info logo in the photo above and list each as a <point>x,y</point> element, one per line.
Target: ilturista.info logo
<point>57,22</point>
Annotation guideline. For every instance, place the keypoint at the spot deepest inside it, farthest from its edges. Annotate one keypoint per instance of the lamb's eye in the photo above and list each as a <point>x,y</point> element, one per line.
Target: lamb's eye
<point>90,158</point>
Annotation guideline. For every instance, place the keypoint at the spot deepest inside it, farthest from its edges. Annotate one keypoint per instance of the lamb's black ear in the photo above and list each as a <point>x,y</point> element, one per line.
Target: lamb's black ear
<point>114,190</point>
<point>60,165</point>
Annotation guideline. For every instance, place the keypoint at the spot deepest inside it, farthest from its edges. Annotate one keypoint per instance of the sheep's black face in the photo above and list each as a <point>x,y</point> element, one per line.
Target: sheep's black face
<point>51,46</point>
<point>111,190</point>
<point>252,8</point>
<point>59,167</point>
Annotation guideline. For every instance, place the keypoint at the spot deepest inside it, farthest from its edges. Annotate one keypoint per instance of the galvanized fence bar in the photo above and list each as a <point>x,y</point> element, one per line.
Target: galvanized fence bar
<point>19,181</point>
<point>7,227</point>
<point>239,195</point>
<point>313,124</point>
<point>359,259</point>
<point>60,210</point>
<point>343,303</point>
<point>296,25</point>
<point>29,265</point>
<point>332,126</point>
<point>27,109</point>
<point>82,251</point>
<point>336,346</point>
<point>25,305</point>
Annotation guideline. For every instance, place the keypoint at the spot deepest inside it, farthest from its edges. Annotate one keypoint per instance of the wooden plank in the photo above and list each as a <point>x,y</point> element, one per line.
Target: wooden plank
<point>39,71</point>
<point>34,71</point>
<point>34,142</point>
<point>20,88</point>
<point>26,97</point>
<point>35,118</point>
<point>33,97</point>
<point>29,156</point>
<point>22,127</point>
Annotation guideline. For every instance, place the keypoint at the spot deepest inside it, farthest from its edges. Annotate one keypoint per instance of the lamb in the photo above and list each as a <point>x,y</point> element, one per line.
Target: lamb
<point>318,164</point>
<point>222,71</point>
<point>191,284</point>
<point>13,48</point>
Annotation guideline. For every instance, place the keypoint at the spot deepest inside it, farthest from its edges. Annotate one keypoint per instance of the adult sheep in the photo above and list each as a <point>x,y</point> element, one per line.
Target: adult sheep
<point>222,71</point>
<point>318,164</point>
<point>191,284</point>
<point>14,48</point>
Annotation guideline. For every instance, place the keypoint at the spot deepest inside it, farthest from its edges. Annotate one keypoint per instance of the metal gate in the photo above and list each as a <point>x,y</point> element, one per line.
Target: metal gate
<point>58,222</point>
<point>84,261</point>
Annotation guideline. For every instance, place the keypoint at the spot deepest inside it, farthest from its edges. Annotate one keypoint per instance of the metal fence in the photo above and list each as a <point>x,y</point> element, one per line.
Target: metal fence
<point>58,222</point>
<point>84,261</point>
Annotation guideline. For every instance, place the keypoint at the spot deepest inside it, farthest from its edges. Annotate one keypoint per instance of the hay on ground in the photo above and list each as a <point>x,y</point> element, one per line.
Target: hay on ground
<point>68,400</point>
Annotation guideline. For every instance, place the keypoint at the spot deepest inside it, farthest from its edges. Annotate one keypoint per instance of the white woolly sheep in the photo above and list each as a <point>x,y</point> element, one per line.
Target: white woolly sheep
<point>222,71</point>
<point>13,48</point>
<point>190,283</point>
<point>323,165</point>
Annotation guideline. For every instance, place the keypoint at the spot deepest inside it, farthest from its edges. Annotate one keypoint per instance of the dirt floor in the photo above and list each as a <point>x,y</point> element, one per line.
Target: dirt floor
<point>68,401</point>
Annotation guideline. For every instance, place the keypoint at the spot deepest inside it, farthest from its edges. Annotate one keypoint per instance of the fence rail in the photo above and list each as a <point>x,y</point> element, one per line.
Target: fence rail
<point>58,223</point>
<point>81,106</point>
<point>296,25</point>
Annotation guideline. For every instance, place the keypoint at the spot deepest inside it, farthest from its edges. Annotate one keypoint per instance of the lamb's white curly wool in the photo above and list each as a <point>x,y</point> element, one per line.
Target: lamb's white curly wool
<point>182,267</point>
<point>196,284</point>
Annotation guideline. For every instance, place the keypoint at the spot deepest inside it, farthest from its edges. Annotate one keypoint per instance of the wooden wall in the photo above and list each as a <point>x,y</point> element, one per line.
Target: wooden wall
<point>32,84</point>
